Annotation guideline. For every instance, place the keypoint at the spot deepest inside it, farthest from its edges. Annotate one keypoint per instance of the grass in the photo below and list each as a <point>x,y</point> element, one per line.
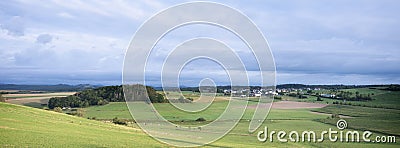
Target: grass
<point>374,119</point>
<point>22,126</point>
<point>109,111</point>
<point>278,119</point>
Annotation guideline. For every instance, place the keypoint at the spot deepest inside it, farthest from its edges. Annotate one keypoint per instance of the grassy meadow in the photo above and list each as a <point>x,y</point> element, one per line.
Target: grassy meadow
<point>22,126</point>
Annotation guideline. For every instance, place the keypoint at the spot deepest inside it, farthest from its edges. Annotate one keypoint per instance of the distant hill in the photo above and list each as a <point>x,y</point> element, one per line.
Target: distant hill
<point>298,86</point>
<point>54,88</point>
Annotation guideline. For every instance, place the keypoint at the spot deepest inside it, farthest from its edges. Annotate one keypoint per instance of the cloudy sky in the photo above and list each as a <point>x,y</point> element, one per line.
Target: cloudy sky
<point>313,42</point>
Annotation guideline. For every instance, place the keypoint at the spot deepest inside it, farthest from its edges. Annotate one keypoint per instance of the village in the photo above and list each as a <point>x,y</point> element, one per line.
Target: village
<point>258,92</point>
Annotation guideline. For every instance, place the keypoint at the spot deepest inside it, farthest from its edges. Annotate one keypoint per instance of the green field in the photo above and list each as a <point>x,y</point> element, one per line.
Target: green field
<point>278,119</point>
<point>380,98</point>
<point>24,126</point>
<point>373,119</point>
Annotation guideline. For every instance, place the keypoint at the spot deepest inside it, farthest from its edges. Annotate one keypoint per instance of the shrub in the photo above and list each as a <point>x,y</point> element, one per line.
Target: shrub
<point>334,116</point>
<point>2,99</point>
<point>80,112</point>
<point>58,109</point>
<point>200,119</point>
<point>119,121</point>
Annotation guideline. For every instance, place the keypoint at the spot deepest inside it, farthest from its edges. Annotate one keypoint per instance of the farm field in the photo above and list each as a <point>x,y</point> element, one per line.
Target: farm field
<point>278,119</point>
<point>380,98</point>
<point>37,100</point>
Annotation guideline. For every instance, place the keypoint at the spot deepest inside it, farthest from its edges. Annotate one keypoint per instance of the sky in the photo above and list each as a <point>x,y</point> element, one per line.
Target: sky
<point>313,42</point>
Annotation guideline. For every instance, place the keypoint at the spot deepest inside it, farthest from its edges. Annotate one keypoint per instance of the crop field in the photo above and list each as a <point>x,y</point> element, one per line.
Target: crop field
<point>36,100</point>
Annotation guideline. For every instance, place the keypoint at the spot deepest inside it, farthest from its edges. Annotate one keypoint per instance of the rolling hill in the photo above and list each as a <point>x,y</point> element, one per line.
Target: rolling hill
<point>22,126</point>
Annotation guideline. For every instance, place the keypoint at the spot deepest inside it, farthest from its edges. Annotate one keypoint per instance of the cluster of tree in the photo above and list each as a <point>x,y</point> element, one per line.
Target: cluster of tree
<point>346,95</point>
<point>100,96</point>
<point>193,89</point>
<point>393,88</point>
<point>154,96</point>
<point>298,95</point>
<point>69,101</point>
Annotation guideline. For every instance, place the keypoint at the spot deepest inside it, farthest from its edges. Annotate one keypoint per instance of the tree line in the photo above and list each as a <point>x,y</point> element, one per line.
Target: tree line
<point>100,96</point>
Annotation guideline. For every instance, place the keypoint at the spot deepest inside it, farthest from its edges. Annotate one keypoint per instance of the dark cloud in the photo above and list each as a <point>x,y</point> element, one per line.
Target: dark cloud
<point>349,42</point>
<point>44,39</point>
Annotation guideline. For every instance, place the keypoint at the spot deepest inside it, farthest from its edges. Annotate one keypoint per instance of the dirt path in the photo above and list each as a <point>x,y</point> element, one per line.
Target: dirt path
<point>291,105</point>
<point>340,116</point>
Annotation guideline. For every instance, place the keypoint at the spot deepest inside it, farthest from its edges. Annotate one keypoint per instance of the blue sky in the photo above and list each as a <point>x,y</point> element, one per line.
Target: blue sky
<point>313,42</point>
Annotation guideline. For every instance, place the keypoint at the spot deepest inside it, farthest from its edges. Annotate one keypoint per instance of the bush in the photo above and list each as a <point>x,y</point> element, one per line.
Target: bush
<point>319,99</point>
<point>58,109</point>
<point>200,119</point>
<point>119,121</point>
<point>191,99</point>
<point>2,99</point>
<point>302,97</point>
<point>80,112</point>
<point>334,116</point>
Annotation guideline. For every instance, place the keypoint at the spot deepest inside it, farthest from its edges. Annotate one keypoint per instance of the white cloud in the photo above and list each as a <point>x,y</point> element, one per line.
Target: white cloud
<point>15,26</point>
<point>65,15</point>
